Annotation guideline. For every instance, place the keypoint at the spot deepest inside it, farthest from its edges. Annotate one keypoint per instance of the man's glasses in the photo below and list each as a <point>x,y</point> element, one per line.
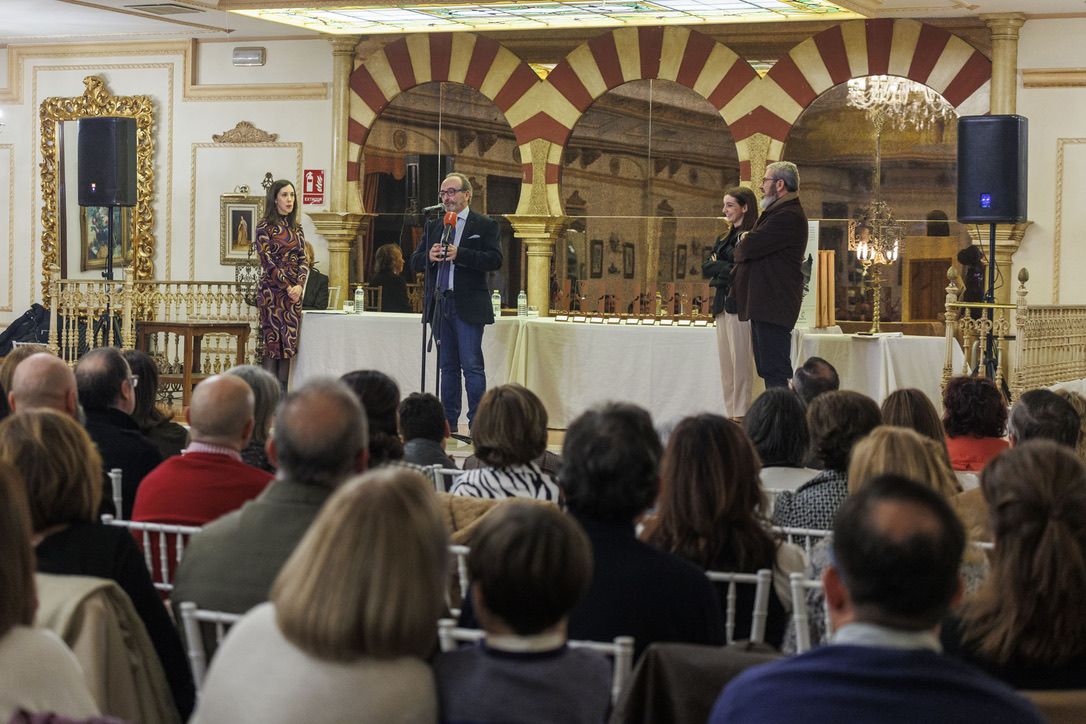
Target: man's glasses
<point>448,192</point>
<point>134,380</point>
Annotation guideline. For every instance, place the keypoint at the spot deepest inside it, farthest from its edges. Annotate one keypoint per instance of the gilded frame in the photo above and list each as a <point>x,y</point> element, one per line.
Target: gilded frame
<point>234,210</point>
<point>95,102</point>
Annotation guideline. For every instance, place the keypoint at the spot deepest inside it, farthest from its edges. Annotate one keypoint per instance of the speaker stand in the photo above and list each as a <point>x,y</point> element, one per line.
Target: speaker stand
<point>990,363</point>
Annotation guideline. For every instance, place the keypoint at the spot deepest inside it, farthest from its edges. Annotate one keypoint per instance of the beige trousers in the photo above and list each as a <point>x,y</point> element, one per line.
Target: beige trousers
<point>736,363</point>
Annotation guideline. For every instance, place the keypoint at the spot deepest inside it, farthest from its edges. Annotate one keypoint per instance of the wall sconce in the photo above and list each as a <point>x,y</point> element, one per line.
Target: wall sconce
<point>249,57</point>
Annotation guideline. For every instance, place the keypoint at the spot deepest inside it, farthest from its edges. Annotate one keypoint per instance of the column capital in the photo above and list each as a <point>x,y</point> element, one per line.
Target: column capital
<point>1004,25</point>
<point>344,44</point>
<point>537,229</point>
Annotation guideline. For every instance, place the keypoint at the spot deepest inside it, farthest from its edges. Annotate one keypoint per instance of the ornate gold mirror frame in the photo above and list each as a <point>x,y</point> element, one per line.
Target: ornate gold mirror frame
<point>96,101</point>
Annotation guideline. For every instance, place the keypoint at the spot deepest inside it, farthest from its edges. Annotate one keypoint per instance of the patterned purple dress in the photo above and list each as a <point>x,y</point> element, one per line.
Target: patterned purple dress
<point>282,265</point>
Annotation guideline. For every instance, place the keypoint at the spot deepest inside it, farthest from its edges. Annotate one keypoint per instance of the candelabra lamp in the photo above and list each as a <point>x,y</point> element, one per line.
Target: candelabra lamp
<point>876,238</point>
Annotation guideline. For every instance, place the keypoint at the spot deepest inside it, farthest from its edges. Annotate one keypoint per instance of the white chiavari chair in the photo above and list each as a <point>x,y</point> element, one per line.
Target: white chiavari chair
<point>806,538</point>
<point>762,580</point>
<point>192,619</point>
<point>162,539</point>
<point>800,585</point>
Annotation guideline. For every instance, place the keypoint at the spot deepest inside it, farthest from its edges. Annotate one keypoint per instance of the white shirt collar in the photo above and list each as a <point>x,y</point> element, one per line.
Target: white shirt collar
<point>874,635</point>
<point>525,644</point>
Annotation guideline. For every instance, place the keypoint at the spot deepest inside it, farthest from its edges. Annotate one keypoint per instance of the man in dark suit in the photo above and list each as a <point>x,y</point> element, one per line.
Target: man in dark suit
<point>769,273</point>
<point>456,277</point>
<point>315,293</point>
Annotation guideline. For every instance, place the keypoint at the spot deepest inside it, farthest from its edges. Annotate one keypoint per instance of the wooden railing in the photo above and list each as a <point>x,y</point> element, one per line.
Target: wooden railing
<point>1038,346</point>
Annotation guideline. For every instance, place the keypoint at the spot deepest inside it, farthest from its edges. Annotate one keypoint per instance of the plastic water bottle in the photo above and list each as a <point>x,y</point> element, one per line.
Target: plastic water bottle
<point>522,304</point>
<point>496,303</point>
<point>359,299</point>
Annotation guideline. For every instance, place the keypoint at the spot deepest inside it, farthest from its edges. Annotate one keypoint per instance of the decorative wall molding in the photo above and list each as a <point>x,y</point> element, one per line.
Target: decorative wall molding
<point>245,132</point>
<point>1061,147</point>
<point>9,149</point>
<point>1054,77</point>
<point>187,49</point>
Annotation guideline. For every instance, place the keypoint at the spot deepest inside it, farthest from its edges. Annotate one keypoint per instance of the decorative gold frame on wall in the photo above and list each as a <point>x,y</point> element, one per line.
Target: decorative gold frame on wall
<point>95,102</point>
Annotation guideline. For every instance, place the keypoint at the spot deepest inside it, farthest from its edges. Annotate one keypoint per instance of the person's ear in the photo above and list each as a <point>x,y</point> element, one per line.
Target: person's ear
<point>271,452</point>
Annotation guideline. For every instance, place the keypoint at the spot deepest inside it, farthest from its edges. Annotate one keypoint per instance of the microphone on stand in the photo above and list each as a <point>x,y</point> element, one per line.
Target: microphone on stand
<point>435,207</point>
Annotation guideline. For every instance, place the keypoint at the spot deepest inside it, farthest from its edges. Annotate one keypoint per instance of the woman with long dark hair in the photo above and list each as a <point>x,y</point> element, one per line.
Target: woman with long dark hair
<point>733,336</point>
<point>710,513</point>
<point>281,249</point>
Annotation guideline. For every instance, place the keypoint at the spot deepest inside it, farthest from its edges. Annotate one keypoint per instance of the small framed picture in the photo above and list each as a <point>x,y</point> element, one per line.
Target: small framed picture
<point>238,217</point>
<point>628,261</point>
<point>595,269</point>
<point>680,261</point>
<point>94,236</point>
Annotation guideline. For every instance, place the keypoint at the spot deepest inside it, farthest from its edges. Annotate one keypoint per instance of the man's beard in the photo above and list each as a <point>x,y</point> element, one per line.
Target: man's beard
<point>766,201</point>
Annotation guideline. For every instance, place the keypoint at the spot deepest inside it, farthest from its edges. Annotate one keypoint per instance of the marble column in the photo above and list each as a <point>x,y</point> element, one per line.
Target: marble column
<point>539,234</point>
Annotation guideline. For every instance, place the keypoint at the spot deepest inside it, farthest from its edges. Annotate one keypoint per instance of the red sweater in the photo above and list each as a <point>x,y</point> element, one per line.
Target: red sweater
<point>196,488</point>
<point>971,454</point>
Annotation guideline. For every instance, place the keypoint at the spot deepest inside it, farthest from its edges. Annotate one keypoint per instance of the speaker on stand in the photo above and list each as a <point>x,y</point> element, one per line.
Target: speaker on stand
<point>992,175</point>
<point>107,178</point>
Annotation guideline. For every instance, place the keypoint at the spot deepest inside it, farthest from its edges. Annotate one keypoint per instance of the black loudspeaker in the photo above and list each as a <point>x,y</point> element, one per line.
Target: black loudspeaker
<point>107,162</point>
<point>992,169</point>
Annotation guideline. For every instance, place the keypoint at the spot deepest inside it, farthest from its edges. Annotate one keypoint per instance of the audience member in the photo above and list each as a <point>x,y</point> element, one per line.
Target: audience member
<point>40,674</point>
<point>209,479</point>
<point>315,291</point>
<point>154,420</point>
<point>777,425</point>
<point>1043,415</point>
<point>529,565</point>
<point>319,440</point>
<point>610,467</point>
<point>897,545</point>
<point>424,430</point>
<point>7,370</point>
<point>509,433</point>
<point>352,617</point>
<point>1078,402</point>
<point>107,391</point>
<point>388,267</point>
<point>975,419</point>
<point>710,512</point>
<point>266,393</point>
<point>1026,625</point>
<point>911,408</point>
<point>62,472</point>
<point>837,420</point>
<point>380,398</point>
<point>43,380</point>
<point>813,378</point>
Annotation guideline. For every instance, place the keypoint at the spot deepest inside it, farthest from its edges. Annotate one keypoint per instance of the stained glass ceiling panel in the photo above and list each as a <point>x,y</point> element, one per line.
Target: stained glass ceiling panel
<point>448,17</point>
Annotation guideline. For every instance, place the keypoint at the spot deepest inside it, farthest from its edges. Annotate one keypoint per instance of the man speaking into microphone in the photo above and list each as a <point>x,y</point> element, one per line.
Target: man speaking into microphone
<point>456,255</point>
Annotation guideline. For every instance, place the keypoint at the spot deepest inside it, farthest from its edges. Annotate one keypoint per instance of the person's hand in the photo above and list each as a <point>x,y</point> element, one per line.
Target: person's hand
<point>437,252</point>
<point>295,293</point>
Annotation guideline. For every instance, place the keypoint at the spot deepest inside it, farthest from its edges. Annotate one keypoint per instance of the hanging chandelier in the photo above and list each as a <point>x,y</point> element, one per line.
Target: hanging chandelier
<point>905,103</point>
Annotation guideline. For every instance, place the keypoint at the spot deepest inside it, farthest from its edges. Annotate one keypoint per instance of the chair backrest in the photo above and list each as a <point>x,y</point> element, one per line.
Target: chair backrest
<point>373,296</point>
<point>800,585</point>
<point>456,602</point>
<point>118,496</point>
<point>191,620</point>
<point>442,477</point>
<point>158,538</point>
<point>333,297</point>
<point>804,537</point>
<point>620,650</point>
<point>1059,706</point>
<point>762,580</point>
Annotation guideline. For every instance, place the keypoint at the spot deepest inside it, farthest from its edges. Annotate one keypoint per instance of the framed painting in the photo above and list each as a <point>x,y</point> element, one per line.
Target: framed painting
<point>680,261</point>
<point>94,237</point>
<point>238,217</point>
<point>628,260</point>
<point>595,267</point>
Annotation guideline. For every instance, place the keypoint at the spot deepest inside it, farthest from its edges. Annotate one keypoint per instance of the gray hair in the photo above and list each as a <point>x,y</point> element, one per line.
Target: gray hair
<point>785,171</point>
<point>265,396</point>
<point>319,431</point>
<point>465,185</point>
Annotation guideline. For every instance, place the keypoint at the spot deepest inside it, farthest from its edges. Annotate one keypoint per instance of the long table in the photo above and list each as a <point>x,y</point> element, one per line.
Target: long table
<point>671,371</point>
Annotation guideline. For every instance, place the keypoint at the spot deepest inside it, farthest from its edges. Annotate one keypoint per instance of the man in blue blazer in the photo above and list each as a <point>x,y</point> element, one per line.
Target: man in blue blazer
<point>456,276</point>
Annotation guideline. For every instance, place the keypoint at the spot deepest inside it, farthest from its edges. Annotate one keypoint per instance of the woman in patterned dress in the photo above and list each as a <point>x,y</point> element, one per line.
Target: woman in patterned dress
<point>281,248</point>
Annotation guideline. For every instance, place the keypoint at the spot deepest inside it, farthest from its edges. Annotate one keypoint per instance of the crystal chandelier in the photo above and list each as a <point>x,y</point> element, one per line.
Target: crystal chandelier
<point>905,103</point>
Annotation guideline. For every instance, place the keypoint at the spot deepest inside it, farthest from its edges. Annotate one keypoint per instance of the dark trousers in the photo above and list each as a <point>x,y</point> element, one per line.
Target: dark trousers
<point>461,350</point>
<point>772,352</point>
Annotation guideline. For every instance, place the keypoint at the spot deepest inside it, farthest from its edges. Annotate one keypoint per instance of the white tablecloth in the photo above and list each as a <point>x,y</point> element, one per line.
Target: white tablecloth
<point>670,371</point>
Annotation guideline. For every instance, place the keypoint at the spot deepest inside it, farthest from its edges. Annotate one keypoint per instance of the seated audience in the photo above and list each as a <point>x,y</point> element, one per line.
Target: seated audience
<point>387,268</point>
<point>43,380</point>
<point>1026,624</point>
<point>813,378</point>
<point>837,420</point>
<point>777,425</point>
<point>38,673</point>
<point>709,513</point>
<point>509,433</point>
<point>352,617</point>
<point>610,468</point>
<point>1043,415</point>
<point>975,419</point>
<point>315,293</point>
<point>896,550</point>
<point>209,479</point>
<point>266,393</point>
<point>154,420</point>
<point>424,430</point>
<point>7,370</point>
<point>107,392</point>
<point>319,440</point>
<point>62,472</point>
<point>529,565</point>
<point>380,398</point>
<point>1078,402</point>
<point>911,408</point>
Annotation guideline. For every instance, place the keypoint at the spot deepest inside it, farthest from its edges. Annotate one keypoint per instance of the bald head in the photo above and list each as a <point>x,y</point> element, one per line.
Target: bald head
<point>43,381</point>
<point>320,435</point>
<point>221,412</point>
